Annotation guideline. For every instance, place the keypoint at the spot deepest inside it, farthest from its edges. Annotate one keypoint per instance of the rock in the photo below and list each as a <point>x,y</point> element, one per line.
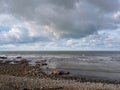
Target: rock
<point>47,67</point>
<point>44,60</point>
<point>37,65</point>
<point>58,72</point>
<point>16,62</point>
<point>44,64</point>
<point>7,62</point>
<point>40,63</point>
<point>26,89</point>
<point>22,62</point>
<point>18,57</point>
<point>37,88</point>
<point>3,57</point>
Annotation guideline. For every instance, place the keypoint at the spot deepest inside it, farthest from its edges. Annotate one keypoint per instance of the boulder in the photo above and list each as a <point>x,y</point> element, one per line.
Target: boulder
<point>24,61</point>
<point>58,72</point>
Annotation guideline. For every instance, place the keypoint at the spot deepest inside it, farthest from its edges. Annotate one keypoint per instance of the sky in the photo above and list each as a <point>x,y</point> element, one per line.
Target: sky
<point>59,25</point>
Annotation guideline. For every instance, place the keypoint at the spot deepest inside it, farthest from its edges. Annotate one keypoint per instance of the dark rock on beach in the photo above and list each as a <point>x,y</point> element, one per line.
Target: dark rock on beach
<point>58,72</point>
<point>2,57</point>
<point>41,63</point>
<point>44,64</point>
<point>22,62</point>
<point>18,57</point>
<point>7,62</point>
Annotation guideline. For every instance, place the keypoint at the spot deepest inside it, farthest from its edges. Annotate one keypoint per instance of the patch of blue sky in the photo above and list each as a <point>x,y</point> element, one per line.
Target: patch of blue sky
<point>5,28</point>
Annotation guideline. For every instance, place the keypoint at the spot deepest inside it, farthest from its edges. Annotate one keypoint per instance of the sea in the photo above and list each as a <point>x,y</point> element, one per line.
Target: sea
<point>97,64</point>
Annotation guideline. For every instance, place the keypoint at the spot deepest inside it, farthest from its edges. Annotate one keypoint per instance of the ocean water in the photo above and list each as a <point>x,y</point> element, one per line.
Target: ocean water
<point>103,64</point>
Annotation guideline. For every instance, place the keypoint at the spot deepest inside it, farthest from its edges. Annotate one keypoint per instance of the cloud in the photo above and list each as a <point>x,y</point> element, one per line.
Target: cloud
<point>116,16</point>
<point>16,34</point>
<point>67,18</point>
<point>106,5</point>
<point>73,21</point>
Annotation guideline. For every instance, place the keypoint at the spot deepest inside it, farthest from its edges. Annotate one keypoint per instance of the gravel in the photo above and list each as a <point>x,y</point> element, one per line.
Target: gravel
<point>30,83</point>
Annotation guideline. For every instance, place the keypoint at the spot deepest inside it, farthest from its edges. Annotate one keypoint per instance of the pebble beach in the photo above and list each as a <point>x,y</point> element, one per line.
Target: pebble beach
<point>20,75</point>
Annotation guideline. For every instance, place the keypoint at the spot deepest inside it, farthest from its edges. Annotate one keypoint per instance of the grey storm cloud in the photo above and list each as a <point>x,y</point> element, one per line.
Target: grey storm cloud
<point>105,5</point>
<point>68,18</point>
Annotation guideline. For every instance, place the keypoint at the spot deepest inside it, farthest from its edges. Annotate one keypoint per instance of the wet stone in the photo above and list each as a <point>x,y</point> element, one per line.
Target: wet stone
<point>3,57</point>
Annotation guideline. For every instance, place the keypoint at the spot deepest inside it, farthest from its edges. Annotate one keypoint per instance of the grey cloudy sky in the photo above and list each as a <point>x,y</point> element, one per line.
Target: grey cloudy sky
<point>59,24</point>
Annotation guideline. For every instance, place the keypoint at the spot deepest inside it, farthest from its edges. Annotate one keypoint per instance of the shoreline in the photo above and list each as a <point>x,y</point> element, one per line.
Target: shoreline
<point>22,70</point>
<point>91,75</point>
<point>48,79</point>
<point>17,69</point>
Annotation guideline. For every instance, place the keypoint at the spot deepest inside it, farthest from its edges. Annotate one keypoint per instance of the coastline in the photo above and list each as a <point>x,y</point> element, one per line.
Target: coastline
<point>14,75</point>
